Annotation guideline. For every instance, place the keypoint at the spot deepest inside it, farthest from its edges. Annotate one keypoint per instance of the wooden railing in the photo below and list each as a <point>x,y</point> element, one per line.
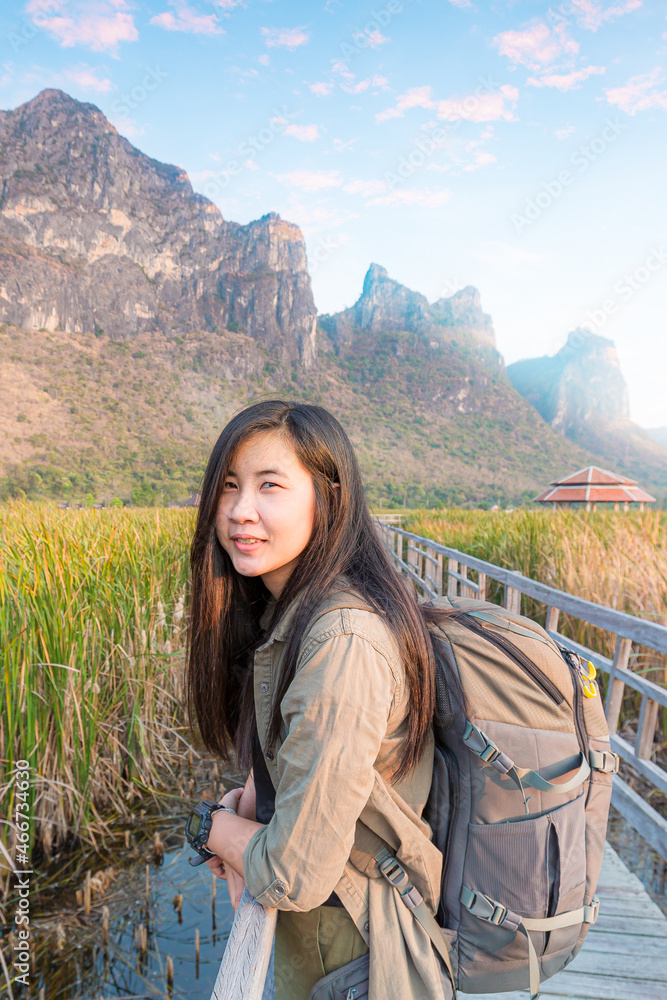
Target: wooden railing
<point>438,570</point>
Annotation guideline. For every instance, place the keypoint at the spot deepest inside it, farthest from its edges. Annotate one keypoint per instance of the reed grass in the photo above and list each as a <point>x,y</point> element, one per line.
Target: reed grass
<point>92,606</point>
<point>92,612</point>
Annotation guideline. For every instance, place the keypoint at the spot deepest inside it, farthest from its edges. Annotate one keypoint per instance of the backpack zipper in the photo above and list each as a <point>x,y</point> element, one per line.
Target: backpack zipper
<point>571,658</point>
<point>454,802</point>
<point>519,658</point>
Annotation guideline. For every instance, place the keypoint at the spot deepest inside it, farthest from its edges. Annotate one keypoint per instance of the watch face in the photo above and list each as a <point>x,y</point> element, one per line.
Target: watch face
<point>193,825</point>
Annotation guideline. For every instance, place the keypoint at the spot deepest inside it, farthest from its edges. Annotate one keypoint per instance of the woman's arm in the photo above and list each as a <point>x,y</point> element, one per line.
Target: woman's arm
<point>225,840</point>
<point>336,710</point>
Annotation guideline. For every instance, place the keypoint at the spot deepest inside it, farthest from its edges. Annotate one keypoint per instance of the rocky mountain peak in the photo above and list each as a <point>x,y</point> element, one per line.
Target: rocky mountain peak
<point>582,384</point>
<point>385,305</point>
<point>95,235</point>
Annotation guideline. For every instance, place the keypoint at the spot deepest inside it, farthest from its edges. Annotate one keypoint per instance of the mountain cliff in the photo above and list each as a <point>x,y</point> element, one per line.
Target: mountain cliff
<point>581,392</point>
<point>135,320</point>
<point>94,235</point>
<point>385,306</point>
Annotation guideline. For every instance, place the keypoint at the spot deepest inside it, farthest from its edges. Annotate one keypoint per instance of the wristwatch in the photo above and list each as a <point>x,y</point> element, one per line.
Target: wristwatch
<point>198,827</point>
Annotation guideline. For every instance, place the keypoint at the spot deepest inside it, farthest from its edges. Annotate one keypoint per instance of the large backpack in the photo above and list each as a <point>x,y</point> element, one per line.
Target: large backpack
<point>519,801</point>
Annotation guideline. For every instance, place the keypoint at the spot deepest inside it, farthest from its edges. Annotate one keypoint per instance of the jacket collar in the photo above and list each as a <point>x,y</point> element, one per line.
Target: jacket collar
<point>282,629</point>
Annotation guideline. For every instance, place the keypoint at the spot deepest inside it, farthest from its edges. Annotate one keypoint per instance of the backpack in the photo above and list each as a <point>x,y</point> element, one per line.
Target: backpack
<point>519,801</point>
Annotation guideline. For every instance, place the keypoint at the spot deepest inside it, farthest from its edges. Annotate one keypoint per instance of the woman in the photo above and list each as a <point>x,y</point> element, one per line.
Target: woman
<point>310,665</point>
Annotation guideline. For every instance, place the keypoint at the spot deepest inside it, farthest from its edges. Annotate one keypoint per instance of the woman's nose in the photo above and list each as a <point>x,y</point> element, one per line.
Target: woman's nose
<point>243,508</point>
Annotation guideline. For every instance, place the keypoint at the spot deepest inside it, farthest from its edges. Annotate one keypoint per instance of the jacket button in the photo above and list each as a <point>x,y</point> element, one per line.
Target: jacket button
<point>280,888</point>
<point>366,926</point>
<point>264,687</point>
<point>269,754</point>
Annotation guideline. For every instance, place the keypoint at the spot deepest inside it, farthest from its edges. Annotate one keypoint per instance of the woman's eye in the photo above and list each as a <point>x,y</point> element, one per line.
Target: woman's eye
<point>228,483</point>
<point>269,484</point>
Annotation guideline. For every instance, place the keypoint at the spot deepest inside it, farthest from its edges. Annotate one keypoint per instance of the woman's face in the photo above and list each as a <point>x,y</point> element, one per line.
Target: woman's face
<point>265,515</point>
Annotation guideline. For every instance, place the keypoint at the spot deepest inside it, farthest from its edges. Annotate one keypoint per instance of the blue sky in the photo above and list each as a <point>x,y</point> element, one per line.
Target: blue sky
<point>515,146</point>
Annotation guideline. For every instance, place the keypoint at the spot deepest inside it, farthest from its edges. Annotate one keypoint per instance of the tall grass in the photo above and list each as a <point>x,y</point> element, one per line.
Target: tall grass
<point>91,615</point>
<point>92,606</point>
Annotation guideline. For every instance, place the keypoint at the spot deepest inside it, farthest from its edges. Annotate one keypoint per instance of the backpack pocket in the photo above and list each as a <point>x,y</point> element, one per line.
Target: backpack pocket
<point>531,867</point>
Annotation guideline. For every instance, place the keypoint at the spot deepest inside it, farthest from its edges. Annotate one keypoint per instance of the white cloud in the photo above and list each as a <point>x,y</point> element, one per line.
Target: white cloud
<point>187,19</point>
<point>365,188</point>
<point>536,46</point>
<point>640,93</point>
<point>285,38</point>
<point>481,160</point>
<point>426,198</point>
<point>486,106</point>
<point>305,133</point>
<point>86,77</point>
<point>498,105</point>
<point>99,25</point>
<point>591,14</point>
<point>311,180</point>
<point>565,131</point>
<point>321,89</point>
<point>565,81</point>
<point>264,59</point>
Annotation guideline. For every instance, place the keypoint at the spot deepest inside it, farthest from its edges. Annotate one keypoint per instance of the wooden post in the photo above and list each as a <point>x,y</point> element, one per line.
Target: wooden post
<point>617,687</point>
<point>244,966</point>
<point>648,720</point>
<point>482,586</point>
<point>465,590</point>
<point>553,614</point>
<point>512,599</point>
<point>452,567</point>
<point>439,573</point>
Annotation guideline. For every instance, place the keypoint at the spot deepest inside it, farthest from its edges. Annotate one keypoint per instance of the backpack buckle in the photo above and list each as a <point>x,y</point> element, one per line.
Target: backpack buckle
<point>499,913</point>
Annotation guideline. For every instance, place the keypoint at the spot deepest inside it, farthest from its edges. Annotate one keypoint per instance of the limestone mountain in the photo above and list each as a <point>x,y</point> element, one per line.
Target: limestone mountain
<point>581,392</point>
<point>385,305</point>
<point>94,235</point>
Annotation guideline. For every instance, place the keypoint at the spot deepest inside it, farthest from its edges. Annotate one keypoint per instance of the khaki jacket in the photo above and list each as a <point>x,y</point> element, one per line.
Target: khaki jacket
<point>344,716</point>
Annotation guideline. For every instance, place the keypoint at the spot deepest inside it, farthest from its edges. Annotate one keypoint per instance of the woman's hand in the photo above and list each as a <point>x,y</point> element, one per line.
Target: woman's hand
<point>243,801</point>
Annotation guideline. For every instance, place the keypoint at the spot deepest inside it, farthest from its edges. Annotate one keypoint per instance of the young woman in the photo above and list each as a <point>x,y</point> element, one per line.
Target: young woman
<point>310,666</point>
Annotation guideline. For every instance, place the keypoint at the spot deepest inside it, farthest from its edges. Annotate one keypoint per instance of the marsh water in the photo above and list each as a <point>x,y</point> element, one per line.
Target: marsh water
<point>153,920</point>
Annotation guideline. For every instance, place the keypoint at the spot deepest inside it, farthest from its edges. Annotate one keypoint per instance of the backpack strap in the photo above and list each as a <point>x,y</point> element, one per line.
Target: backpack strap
<point>494,912</point>
<point>396,875</point>
<point>484,748</point>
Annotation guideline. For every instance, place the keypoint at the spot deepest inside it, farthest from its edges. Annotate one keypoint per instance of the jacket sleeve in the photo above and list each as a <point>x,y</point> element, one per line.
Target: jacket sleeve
<point>336,712</point>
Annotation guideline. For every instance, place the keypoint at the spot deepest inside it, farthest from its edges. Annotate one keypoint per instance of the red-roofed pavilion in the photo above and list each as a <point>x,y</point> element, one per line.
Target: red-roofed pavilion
<point>592,486</point>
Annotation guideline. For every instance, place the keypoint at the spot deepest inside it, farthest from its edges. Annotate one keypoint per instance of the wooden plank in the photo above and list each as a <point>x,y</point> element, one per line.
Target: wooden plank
<point>646,726</point>
<point>551,623</point>
<point>452,568</point>
<point>634,944</point>
<point>512,599</point>
<point>645,820</point>
<point>647,768</point>
<point>623,923</point>
<point>243,970</point>
<point>481,583</point>
<point>616,688</point>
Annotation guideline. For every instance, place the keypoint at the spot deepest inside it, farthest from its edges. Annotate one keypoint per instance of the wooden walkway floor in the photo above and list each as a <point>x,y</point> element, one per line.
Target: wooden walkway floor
<point>624,956</point>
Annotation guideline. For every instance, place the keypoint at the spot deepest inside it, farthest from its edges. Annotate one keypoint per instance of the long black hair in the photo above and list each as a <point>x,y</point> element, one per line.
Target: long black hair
<point>225,607</point>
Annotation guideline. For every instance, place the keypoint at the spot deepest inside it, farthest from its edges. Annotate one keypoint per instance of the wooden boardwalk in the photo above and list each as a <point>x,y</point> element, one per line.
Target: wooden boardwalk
<point>624,956</point>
